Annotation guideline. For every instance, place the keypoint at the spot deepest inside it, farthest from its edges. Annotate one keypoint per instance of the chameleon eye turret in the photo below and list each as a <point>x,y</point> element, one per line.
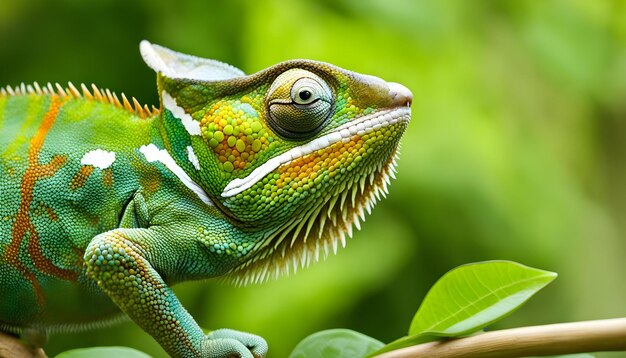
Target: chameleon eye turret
<point>299,103</point>
<point>238,176</point>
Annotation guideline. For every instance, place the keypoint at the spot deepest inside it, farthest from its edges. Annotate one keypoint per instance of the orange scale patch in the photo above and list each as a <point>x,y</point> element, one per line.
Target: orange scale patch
<point>320,165</point>
<point>80,179</point>
<point>23,226</point>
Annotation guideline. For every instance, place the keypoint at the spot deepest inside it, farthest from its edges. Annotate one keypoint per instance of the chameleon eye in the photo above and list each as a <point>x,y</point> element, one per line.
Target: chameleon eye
<point>299,104</point>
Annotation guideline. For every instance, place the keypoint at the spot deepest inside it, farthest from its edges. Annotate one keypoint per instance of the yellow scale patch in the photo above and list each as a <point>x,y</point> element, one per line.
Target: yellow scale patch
<point>235,132</point>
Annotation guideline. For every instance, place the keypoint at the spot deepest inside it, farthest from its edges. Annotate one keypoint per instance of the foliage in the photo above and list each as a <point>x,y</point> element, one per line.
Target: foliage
<point>462,302</point>
<point>103,352</point>
<point>474,296</point>
<point>336,343</point>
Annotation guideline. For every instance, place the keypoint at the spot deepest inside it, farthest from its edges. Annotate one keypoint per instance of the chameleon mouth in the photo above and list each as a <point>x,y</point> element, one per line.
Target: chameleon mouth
<point>344,132</point>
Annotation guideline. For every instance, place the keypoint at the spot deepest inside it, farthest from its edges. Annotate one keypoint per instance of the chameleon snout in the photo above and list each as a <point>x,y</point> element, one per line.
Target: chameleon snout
<point>400,95</point>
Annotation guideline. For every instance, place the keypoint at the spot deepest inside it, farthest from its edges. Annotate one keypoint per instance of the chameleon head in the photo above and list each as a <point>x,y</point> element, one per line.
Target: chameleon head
<point>296,153</point>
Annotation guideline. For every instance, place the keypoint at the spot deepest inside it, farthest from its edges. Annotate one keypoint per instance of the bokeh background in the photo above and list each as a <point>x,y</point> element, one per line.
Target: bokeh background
<point>516,149</point>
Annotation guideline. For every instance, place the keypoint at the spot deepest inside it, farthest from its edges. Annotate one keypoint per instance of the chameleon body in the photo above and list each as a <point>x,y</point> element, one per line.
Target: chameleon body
<point>105,204</point>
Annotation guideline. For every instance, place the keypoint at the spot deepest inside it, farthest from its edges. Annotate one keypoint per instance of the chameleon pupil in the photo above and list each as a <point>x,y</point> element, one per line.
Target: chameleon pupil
<point>304,95</point>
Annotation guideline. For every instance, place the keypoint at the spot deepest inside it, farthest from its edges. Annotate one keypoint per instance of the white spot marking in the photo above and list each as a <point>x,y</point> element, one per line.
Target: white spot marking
<point>98,158</point>
<point>192,126</point>
<point>363,125</point>
<point>191,155</point>
<point>154,154</point>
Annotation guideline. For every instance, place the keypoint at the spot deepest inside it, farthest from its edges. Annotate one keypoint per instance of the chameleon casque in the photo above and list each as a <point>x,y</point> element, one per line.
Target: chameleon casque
<point>105,204</point>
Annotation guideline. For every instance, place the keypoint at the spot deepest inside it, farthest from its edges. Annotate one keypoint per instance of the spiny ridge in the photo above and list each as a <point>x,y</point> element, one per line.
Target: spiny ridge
<point>317,232</point>
<point>95,93</point>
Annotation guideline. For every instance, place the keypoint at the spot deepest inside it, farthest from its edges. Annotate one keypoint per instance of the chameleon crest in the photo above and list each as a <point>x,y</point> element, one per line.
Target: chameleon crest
<point>240,176</point>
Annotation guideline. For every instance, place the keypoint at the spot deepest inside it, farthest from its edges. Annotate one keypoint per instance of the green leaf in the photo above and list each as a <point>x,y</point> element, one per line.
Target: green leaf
<point>335,343</point>
<point>103,352</point>
<point>473,296</point>
<point>469,298</point>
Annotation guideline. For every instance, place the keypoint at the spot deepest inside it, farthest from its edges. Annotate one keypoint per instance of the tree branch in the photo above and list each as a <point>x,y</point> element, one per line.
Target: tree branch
<point>554,339</point>
<point>12,347</point>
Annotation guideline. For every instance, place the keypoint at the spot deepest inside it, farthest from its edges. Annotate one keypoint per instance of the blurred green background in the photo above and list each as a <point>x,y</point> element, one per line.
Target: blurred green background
<point>515,151</point>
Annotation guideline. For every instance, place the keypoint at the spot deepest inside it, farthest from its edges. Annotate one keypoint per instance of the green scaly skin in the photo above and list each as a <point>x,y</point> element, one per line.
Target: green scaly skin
<point>103,207</point>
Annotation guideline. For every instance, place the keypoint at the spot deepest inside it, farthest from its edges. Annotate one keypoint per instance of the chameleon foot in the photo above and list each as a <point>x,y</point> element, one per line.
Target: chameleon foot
<point>231,343</point>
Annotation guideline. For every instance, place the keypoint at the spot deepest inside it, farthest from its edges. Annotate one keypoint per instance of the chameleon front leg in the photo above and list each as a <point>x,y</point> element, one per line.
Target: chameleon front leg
<point>118,261</point>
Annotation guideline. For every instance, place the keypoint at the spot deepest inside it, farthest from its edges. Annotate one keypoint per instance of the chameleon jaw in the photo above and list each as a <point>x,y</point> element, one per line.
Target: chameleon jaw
<point>360,126</point>
<point>320,231</point>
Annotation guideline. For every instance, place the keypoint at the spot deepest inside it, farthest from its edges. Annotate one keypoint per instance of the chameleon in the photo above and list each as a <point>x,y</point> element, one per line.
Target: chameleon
<point>105,203</point>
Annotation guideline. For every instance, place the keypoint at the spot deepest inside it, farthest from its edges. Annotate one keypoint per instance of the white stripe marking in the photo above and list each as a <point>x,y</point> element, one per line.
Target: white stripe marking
<point>98,158</point>
<point>389,117</point>
<point>191,125</point>
<point>191,155</point>
<point>154,154</point>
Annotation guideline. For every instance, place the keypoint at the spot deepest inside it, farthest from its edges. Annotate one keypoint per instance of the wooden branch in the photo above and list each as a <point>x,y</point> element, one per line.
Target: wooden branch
<point>12,347</point>
<point>554,339</point>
